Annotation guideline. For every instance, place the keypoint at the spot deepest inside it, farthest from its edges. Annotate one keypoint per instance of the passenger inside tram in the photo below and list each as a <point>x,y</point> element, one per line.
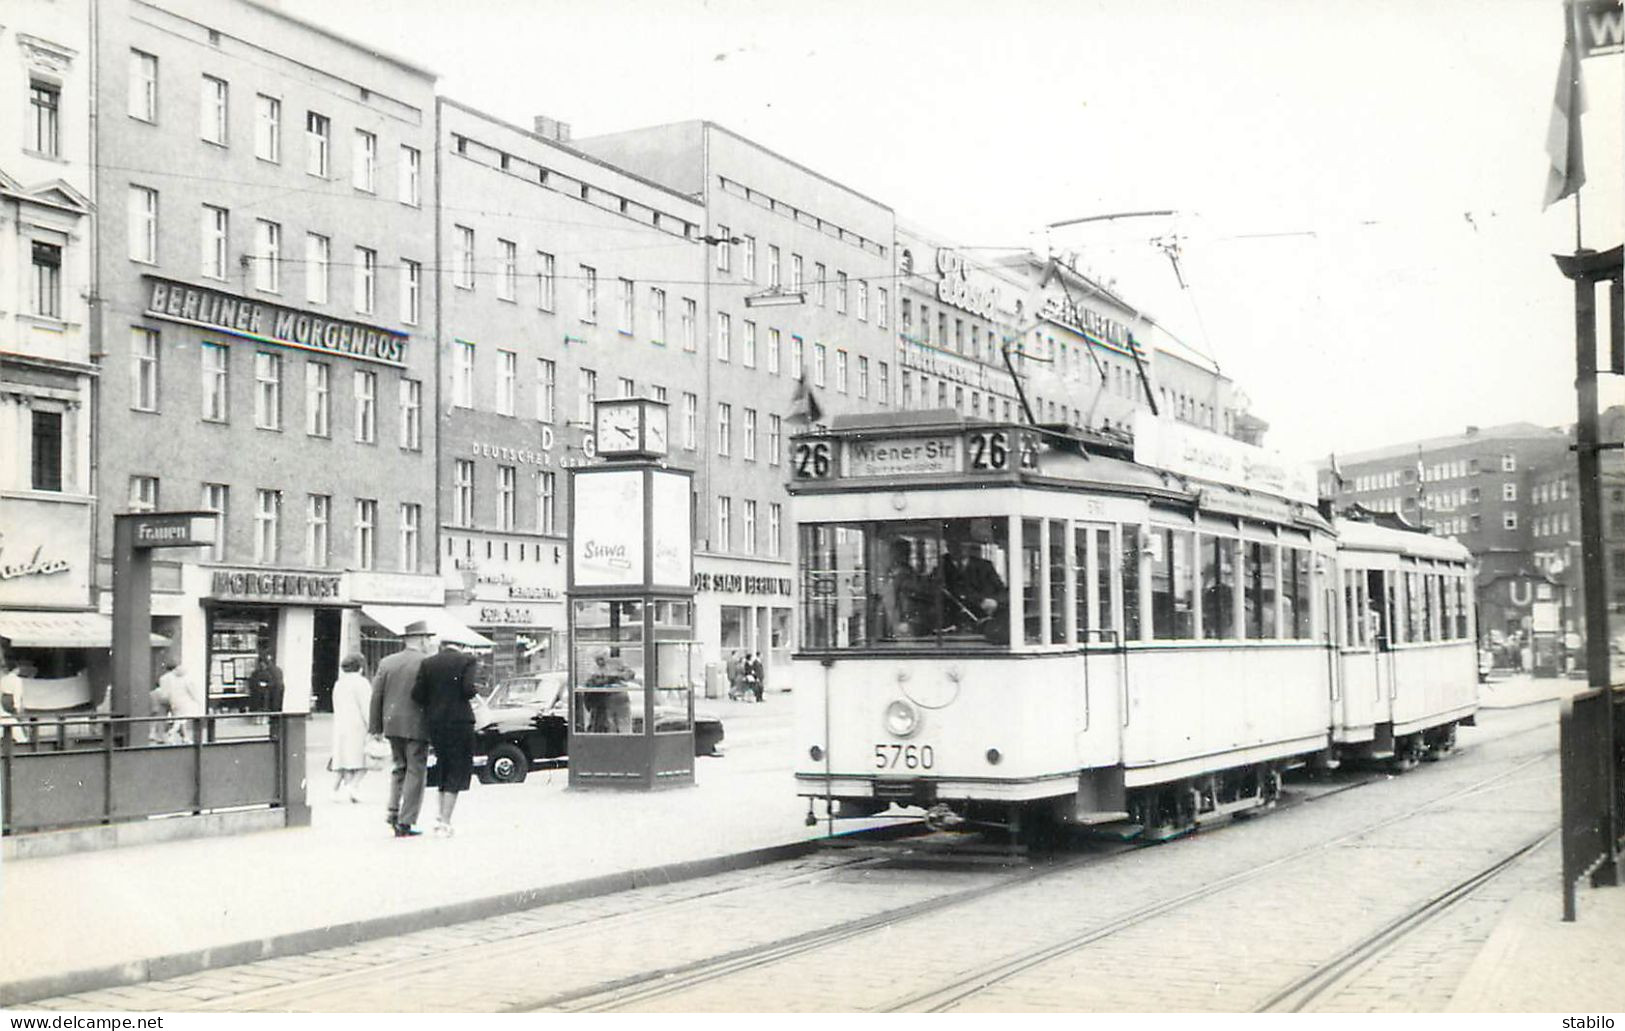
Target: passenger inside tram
<point>963,594</point>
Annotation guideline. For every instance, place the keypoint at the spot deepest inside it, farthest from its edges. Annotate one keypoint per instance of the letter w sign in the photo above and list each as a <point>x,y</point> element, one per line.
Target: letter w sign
<point>1602,27</point>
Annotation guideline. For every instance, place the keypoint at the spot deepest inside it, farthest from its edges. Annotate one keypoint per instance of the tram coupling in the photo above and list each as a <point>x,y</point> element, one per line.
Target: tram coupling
<point>942,817</point>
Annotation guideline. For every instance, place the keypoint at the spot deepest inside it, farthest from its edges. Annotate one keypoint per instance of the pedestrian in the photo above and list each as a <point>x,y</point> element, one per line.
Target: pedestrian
<point>178,697</point>
<point>735,670</point>
<point>393,713</point>
<point>446,682</point>
<point>753,673</point>
<point>13,710</point>
<point>158,728</point>
<point>265,686</point>
<point>352,709</point>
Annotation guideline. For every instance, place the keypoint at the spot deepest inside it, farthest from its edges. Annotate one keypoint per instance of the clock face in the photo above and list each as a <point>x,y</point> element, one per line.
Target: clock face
<point>656,428</point>
<point>617,429</point>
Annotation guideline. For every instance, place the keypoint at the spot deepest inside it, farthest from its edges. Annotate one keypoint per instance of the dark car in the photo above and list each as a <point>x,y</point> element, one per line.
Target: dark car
<point>521,726</point>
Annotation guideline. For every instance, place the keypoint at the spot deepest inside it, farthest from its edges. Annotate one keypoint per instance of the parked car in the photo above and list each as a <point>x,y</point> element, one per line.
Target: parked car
<point>521,725</point>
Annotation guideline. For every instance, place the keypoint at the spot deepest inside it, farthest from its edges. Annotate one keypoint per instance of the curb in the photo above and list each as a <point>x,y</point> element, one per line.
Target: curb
<point>1490,967</point>
<point>175,964</point>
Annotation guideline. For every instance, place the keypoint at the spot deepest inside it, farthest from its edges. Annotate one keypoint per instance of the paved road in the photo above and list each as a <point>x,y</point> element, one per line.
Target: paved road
<point>1099,929</point>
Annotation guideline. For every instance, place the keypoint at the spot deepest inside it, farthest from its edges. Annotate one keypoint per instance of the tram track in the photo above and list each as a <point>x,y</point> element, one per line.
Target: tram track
<point>652,986</point>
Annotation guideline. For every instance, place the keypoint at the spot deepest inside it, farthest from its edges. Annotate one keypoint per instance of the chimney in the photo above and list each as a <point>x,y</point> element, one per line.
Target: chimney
<point>552,129</point>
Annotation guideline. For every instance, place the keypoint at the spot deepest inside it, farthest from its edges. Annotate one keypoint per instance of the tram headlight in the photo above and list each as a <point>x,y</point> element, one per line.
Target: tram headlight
<point>816,754</point>
<point>902,719</point>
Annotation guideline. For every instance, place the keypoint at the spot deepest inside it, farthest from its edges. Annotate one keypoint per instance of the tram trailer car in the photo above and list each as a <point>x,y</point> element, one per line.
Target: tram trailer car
<point>1013,625</point>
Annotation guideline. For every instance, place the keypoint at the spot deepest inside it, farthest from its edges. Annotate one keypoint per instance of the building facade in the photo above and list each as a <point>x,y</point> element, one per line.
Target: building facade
<point>265,329</point>
<point>798,284</point>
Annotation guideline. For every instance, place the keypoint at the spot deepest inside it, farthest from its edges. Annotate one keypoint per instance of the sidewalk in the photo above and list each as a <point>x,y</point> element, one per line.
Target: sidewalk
<point>95,919</point>
<point>1510,691</point>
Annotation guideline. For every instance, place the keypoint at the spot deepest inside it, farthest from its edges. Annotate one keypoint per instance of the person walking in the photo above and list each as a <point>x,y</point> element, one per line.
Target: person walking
<point>736,672</point>
<point>754,673</point>
<point>446,682</point>
<point>393,713</point>
<point>178,695</point>
<point>352,711</point>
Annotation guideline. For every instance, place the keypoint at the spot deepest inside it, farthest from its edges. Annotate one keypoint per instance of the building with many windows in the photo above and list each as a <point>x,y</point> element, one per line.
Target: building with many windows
<point>798,284</point>
<point>265,330</point>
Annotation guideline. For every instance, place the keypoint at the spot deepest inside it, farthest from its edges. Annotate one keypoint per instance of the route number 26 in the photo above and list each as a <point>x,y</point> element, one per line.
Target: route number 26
<point>812,460</point>
<point>990,452</point>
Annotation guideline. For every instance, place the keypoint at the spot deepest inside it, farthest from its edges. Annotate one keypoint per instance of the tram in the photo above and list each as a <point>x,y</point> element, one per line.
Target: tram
<point>1020,625</point>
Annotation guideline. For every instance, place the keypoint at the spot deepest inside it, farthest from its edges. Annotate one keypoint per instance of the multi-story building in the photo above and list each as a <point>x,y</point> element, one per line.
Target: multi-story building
<point>562,279</point>
<point>798,284</point>
<point>265,329</point>
<point>46,374</point>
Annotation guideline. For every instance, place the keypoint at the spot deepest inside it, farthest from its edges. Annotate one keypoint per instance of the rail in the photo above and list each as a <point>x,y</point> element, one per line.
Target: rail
<point>69,772</point>
<point>1593,823</point>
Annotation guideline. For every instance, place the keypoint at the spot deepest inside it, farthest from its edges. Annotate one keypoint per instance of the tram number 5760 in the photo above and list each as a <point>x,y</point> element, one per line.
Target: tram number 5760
<point>907,757</point>
<point>994,451</point>
<point>812,459</point>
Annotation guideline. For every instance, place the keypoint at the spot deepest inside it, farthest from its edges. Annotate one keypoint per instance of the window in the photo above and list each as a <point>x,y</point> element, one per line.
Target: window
<point>508,283</point>
<point>366,280</point>
<point>366,525</point>
<point>626,387</point>
<point>45,123</point>
<point>775,529</point>
<point>748,357</point>
<point>412,414</point>
<point>906,316</point>
<point>747,531</point>
<point>863,300</point>
<point>318,252</point>
<point>773,267</point>
<point>547,502</point>
<point>1173,600</point>
<point>507,382</point>
<point>624,295</point>
<point>267,128</point>
<point>748,264</point>
<point>462,376</point>
<point>1217,559</point>
<point>795,273</point>
<point>724,522</point>
<point>798,357</point>
<point>216,232</point>
<point>1509,492</point>
<point>143,99</point>
<point>411,536</point>
<point>724,259</point>
<point>212,111</point>
<point>1258,590</point>
<point>365,388</point>
<point>268,256</point>
<point>820,284</point>
<point>318,398</point>
<point>689,319</point>
<point>657,392</point>
<point>507,479</point>
<point>884,385</point>
<point>775,438</point>
<point>882,308</point>
<point>820,361</point>
<point>410,176</point>
<point>267,507</point>
<point>143,494</point>
<point>724,429</point>
<point>318,517</point>
<point>1509,520</point>
<point>586,393</point>
<point>318,139</point>
<point>411,291</point>
<point>215,370</point>
<point>364,161</point>
<point>750,435</point>
<point>267,390</point>
<point>691,418</point>
<point>216,499</point>
<point>589,294</point>
<point>547,385</point>
<point>143,369</point>
<point>863,376</point>
<point>462,498</point>
<point>657,311</point>
<point>724,336</point>
<point>46,473</point>
<point>840,292</point>
<point>545,284</point>
<point>1509,463</point>
<point>463,260</point>
<point>773,352</point>
<point>840,369</point>
<point>47,292</point>
<point>143,224</point>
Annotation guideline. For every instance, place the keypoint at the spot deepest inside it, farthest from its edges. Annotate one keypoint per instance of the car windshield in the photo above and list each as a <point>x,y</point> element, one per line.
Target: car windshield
<point>535,690</point>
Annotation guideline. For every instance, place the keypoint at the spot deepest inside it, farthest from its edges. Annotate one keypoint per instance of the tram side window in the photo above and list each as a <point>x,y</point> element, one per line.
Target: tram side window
<point>1032,571</point>
<point>1355,608</point>
<point>1218,561</point>
<point>1057,581</point>
<point>1258,589</point>
<point>1173,594</point>
<point>834,586</point>
<point>1447,606</point>
<point>1463,607</point>
<point>1295,594</point>
<point>1130,575</point>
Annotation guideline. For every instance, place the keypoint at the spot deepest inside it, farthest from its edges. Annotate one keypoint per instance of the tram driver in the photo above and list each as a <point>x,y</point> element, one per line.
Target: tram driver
<point>976,594</point>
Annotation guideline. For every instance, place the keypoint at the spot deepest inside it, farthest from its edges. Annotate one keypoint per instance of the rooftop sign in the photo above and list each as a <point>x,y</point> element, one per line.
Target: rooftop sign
<point>1193,452</point>
<point>271,323</point>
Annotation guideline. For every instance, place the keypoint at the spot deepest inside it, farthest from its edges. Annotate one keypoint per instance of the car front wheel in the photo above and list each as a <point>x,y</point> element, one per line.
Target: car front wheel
<point>507,764</point>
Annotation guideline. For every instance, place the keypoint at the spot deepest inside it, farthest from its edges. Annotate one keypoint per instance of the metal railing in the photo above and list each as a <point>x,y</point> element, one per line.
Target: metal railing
<point>84,771</point>
<point>1593,822</point>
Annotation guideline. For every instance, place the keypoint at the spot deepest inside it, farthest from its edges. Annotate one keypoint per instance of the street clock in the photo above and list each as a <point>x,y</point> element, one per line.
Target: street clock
<point>631,427</point>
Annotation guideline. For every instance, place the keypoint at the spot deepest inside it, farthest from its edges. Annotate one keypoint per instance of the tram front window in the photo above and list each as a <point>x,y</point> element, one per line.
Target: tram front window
<point>903,584</point>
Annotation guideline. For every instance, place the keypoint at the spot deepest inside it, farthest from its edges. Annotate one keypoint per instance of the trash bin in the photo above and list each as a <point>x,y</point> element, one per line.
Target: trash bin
<point>714,680</point>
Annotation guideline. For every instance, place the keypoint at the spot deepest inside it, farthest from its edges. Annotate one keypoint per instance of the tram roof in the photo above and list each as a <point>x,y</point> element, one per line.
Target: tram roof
<point>1365,536</point>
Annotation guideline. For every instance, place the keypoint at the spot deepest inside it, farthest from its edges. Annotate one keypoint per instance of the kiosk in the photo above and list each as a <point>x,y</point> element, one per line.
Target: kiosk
<point>633,659</point>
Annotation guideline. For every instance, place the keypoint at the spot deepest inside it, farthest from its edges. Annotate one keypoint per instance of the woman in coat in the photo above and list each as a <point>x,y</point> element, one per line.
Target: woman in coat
<point>352,699</point>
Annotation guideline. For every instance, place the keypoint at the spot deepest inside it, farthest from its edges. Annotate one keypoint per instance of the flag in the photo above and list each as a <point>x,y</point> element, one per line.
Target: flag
<point>804,405</point>
<point>1568,171</point>
<point>1337,473</point>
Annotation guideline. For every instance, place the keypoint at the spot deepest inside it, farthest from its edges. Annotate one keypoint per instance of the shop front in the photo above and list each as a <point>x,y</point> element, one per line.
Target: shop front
<point>744,606</point>
<point>292,617</point>
<point>512,595</point>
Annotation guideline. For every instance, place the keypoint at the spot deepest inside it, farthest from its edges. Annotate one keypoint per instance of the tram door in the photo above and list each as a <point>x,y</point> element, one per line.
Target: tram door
<point>1381,590</point>
<point>1097,605</point>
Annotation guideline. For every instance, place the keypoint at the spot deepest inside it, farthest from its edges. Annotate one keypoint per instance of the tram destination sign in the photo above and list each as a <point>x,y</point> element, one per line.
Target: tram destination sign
<point>976,452</point>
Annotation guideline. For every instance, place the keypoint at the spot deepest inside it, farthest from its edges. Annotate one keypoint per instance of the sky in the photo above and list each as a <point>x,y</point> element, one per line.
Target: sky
<point>1357,187</point>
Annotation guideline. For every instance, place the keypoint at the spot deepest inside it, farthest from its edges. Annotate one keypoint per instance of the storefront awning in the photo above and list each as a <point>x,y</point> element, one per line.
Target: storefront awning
<point>395,618</point>
<point>26,629</point>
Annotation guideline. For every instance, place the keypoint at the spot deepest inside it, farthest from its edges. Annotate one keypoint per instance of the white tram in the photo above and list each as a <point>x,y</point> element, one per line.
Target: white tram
<point>1011,625</point>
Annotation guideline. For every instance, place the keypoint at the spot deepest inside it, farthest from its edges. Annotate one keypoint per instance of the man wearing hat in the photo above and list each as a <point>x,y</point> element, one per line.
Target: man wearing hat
<point>395,715</point>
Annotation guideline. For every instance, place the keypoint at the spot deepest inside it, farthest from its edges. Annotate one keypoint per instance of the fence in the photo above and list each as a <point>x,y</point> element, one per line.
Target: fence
<point>1590,775</point>
<point>86,771</point>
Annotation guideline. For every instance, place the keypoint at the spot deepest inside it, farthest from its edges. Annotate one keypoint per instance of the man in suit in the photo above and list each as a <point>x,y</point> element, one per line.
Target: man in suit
<point>394,714</point>
<point>446,682</point>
